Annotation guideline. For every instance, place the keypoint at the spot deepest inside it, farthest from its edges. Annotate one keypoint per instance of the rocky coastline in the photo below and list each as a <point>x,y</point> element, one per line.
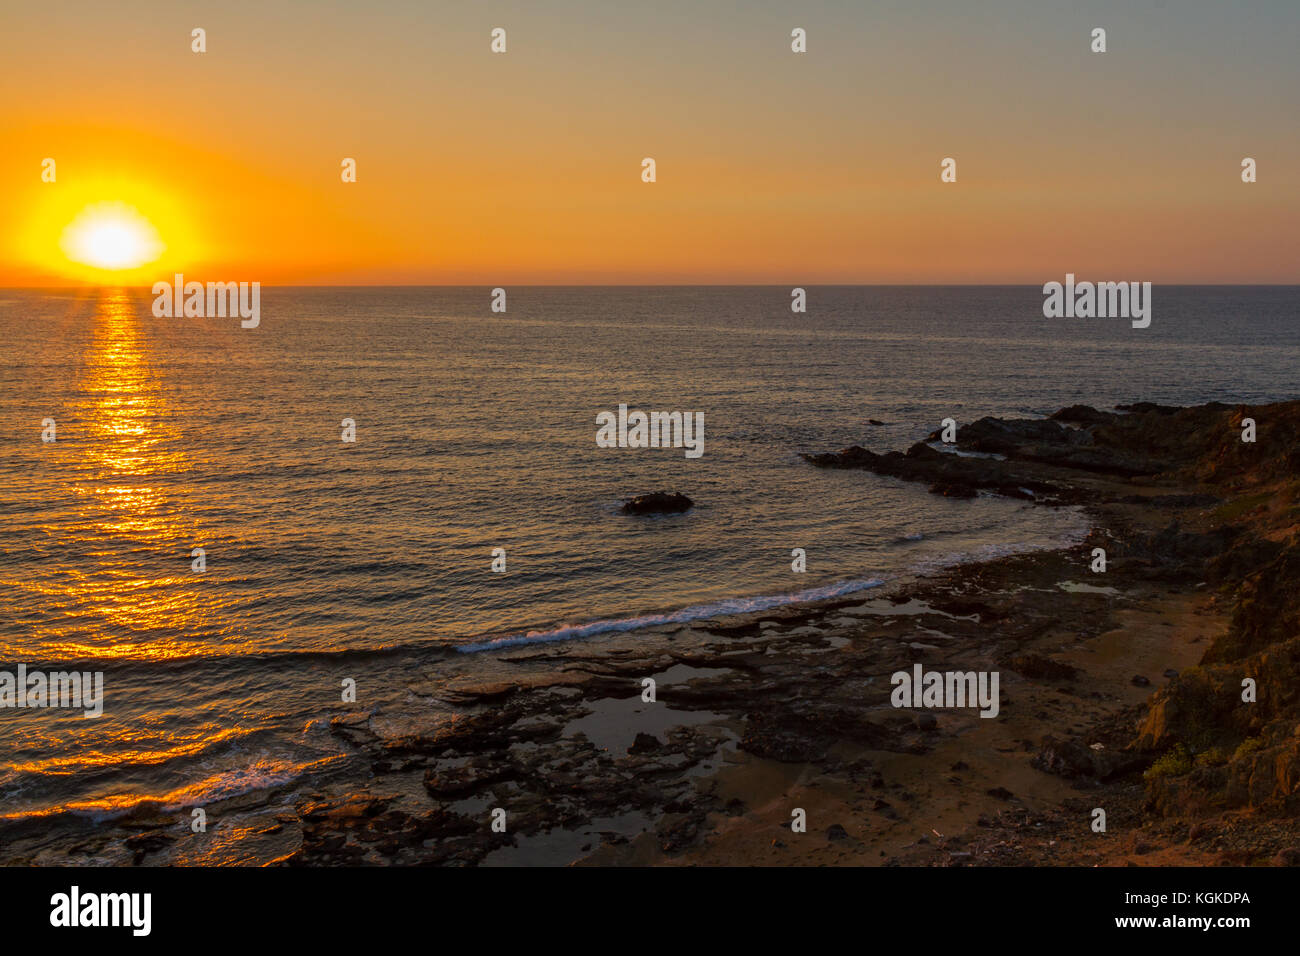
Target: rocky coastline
<point>1122,690</point>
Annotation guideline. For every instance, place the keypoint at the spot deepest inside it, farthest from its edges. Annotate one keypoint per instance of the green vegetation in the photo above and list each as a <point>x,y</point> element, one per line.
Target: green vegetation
<point>1214,757</point>
<point>1248,746</point>
<point>1173,764</point>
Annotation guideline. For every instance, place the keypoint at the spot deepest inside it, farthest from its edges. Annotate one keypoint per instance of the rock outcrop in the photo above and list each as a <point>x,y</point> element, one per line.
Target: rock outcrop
<point>1226,733</point>
<point>658,502</point>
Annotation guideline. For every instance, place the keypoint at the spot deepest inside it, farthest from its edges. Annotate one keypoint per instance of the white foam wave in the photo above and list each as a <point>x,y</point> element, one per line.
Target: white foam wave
<point>716,609</point>
<point>1074,533</point>
<point>1075,529</point>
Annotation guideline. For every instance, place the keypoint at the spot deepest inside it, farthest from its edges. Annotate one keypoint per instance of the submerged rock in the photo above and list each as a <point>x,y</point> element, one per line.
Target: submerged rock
<point>658,502</point>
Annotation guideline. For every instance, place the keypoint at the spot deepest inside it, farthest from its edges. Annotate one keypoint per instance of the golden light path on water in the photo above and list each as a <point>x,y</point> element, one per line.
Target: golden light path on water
<point>120,460</point>
<point>128,447</point>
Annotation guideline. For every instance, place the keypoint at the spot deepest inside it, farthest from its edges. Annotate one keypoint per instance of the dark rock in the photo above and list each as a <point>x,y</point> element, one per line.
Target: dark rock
<point>836,832</point>
<point>1002,793</point>
<point>1189,552</point>
<point>1149,408</point>
<point>457,782</point>
<point>1069,759</point>
<point>1037,458</point>
<point>143,844</point>
<point>1140,681</point>
<point>658,502</point>
<point>644,744</point>
<point>953,490</point>
<point>947,473</point>
<point>678,835</point>
<point>1082,415</point>
<point>769,740</point>
<point>1266,610</point>
<point>1038,667</point>
<point>793,736</point>
<point>1197,500</point>
<point>999,436</point>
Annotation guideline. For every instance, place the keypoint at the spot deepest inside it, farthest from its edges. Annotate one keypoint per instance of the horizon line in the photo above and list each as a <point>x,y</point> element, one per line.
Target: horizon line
<point>652,285</point>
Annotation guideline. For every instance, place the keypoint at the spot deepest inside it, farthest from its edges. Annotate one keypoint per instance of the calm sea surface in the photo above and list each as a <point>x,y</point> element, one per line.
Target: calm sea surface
<point>476,431</point>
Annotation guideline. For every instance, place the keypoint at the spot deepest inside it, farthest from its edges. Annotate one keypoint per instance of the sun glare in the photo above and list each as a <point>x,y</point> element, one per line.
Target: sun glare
<point>111,235</point>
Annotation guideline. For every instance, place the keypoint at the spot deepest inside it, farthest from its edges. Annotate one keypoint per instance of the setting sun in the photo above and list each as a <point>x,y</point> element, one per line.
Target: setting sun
<point>111,235</point>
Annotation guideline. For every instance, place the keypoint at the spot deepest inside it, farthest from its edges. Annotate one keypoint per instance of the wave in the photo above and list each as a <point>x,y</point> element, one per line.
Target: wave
<point>725,607</point>
<point>1072,535</point>
<point>1069,538</point>
<point>264,775</point>
<point>97,761</point>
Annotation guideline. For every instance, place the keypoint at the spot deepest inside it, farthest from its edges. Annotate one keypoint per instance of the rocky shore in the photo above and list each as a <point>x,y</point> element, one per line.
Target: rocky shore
<point>1121,690</point>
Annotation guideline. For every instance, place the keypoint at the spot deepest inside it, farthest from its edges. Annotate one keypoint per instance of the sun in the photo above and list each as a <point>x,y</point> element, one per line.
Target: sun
<point>111,236</point>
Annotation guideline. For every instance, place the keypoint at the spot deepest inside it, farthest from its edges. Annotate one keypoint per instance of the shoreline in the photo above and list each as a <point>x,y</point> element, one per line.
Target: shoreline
<point>585,699</point>
<point>760,714</point>
<point>655,622</point>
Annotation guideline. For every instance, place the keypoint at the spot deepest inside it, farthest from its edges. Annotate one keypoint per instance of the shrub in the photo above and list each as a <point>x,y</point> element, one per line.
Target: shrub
<point>1173,764</point>
<point>1248,746</point>
<point>1214,757</point>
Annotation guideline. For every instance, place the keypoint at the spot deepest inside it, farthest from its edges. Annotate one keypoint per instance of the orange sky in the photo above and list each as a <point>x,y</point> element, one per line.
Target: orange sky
<point>524,167</point>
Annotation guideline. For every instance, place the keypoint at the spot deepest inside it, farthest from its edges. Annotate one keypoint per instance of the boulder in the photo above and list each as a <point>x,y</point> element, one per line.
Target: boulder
<point>658,502</point>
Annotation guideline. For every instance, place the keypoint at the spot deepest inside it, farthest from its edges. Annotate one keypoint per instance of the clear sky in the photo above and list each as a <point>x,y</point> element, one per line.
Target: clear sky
<point>772,167</point>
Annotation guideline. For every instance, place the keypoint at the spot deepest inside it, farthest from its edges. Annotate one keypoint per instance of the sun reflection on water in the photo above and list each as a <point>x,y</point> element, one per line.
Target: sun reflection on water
<point>130,466</point>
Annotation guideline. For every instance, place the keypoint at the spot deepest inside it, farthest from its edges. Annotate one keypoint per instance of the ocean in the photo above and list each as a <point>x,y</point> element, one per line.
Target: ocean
<point>372,560</point>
